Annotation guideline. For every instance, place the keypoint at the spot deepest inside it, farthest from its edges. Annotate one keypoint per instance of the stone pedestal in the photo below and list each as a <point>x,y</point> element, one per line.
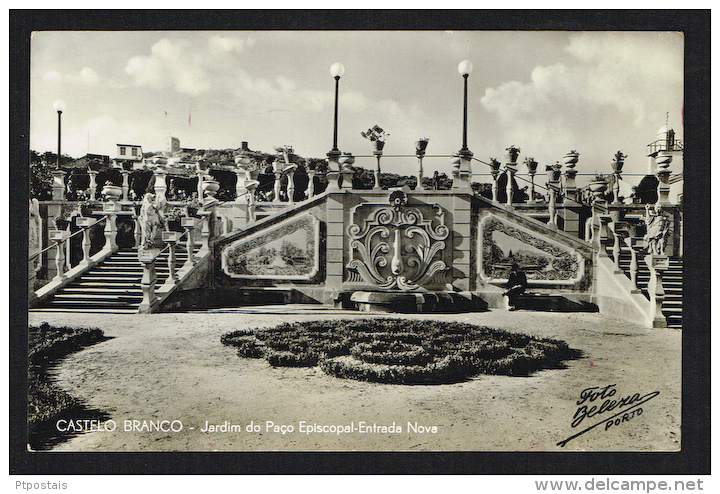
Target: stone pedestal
<point>188,223</point>
<point>657,264</point>
<point>60,237</point>
<point>378,156</point>
<point>93,184</point>
<point>125,185</point>
<point>464,171</point>
<point>510,169</point>
<point>171,238</point>
<point>160,185</point>
<point>150,302</point>
<point>111,210</point>
<point>58,185</point>
<point>570,186</point>
<point>86,224</point>
<point>333,172</point>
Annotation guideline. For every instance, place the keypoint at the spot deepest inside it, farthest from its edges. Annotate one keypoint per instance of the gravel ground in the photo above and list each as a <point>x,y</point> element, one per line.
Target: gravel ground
<point>172,367</point>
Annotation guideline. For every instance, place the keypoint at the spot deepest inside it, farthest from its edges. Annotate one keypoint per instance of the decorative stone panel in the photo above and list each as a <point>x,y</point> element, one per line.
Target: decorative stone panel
<point>398,247</point>
<point>287,251</point>
<point>503,244</point>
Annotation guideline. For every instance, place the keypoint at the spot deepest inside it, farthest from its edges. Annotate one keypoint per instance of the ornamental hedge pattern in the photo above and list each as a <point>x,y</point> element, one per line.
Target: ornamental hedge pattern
<point>400,351</point>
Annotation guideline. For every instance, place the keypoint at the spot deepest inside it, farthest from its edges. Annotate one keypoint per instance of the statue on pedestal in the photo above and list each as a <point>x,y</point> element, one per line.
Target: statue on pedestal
<point>658,230</point>
<point>151,218</point>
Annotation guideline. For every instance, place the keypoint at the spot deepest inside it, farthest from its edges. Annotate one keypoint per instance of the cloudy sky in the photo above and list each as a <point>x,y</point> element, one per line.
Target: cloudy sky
<point>545,92</point>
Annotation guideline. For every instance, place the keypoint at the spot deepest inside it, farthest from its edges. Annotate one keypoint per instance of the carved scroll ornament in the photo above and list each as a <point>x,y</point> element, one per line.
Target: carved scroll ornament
<point>397,247</point>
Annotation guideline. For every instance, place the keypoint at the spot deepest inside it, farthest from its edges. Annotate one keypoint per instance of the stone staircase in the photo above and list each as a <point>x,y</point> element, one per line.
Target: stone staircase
<point>112,286</point>
<point>672,283</point>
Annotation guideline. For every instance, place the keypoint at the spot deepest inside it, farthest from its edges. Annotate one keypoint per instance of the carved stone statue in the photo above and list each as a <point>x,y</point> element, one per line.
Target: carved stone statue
<point>34,232</point>
<point>150,219</point>
<point>658,230</point>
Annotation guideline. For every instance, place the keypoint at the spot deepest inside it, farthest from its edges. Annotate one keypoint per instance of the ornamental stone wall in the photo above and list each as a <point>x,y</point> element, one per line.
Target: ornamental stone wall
<point>397,241</point>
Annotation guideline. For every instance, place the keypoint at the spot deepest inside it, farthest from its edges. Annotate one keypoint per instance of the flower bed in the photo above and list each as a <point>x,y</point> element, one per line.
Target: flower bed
<point>46,401</point>
<point>400,351</point>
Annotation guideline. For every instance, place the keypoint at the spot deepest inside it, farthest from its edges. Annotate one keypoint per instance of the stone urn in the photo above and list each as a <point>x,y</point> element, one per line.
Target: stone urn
<point>553,173</point>
<point>210,187</point>
<point>112,192</point>
<point>421,146</point>
<point>663,160</point>
<point>378,145</point>
<point>571,159</point>
<point>618,162</point>
<point>531,165</point>
<point>598,187</point>
<point>512,154</point>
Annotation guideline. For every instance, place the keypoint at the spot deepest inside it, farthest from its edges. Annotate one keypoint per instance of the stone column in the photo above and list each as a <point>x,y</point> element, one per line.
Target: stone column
<point>188,223</point>
<point>378,154</point>
<point>110,209</point>
<point>552,209</point>
<point>291,186</point>
<point>86,224</point>
<point>570,186</point>
<point>160,186</point>
<point>495,175</point>
<point>510,169</point>
<point>60,237</point>
<point>657,264</point>
<point>206,228</point>
<point>125,185</point>
<point>150,302</point>
<point>663,161</point>
<point>463,174</point>
<point>171,238</point>
<point>93,184</point>
<point>333,172</point>
<point>58,185</point>
<point>200,176</point>
<point>311,184</point>
<point>240,190</point>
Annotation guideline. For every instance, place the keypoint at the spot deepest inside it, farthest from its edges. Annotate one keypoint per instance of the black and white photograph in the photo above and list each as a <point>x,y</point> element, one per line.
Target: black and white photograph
<point>359,240</point>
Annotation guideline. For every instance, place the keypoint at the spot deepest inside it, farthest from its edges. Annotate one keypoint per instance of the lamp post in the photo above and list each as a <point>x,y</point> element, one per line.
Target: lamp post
<point>336,70</point>
<point>465,68</point>
<point>464,173</point>
<point>59,106</point>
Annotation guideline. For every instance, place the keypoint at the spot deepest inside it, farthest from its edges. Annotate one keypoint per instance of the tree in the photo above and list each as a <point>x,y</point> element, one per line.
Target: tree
<point>41,178</point>
<point>290,252</point>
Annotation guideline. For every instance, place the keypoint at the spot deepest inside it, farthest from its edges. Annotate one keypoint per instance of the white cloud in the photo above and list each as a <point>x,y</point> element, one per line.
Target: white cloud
<point>621,78</point>
<point>89,76</point>
<point>171,63</point>
<point>52,75</point>
<point>86,76</point>
<point>226,44</point>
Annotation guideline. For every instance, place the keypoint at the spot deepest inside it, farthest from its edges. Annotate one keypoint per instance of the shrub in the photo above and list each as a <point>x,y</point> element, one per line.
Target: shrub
<point>387,350</point>
<point>46,401</point>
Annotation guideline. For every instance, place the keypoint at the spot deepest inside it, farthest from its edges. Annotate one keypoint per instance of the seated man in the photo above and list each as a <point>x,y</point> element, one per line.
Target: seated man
<point>517,282</point>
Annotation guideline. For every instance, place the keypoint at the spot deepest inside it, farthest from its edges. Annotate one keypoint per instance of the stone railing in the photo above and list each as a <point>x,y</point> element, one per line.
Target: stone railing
<point>62,245</point>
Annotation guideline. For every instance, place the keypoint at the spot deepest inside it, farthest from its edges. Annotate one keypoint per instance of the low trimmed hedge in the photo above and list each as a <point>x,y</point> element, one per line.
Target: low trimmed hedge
<point>400,351</point>
<point>46,401</point>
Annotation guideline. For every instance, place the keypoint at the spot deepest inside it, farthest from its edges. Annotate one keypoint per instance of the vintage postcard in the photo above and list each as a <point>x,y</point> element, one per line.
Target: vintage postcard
<point>369,240</point>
